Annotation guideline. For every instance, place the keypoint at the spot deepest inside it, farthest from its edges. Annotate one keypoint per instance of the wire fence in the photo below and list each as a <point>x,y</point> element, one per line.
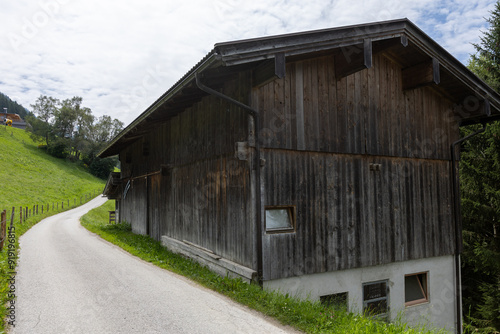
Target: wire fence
<point>22,213</point>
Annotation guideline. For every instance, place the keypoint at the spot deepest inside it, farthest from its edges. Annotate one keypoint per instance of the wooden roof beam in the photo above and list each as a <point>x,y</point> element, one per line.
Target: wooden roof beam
<point>269,70</point>
<point>423,74</point>
<point>353,58</point>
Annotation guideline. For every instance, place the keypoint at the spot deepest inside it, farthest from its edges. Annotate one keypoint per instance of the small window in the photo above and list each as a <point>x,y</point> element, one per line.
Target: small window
<point>280,219</point>
<point>336,299</point>
<point>416,289</point>
<point>376,299</point>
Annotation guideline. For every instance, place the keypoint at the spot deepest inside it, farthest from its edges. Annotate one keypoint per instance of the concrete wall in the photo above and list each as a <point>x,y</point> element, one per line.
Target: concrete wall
<point>439,311</point>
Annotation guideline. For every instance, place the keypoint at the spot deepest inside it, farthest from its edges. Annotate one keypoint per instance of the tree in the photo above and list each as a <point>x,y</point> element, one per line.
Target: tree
<point>480,190</point>
<point>480,187</point>
<point>44,108</point>
<point>485,62</point>
<point>71,131</point>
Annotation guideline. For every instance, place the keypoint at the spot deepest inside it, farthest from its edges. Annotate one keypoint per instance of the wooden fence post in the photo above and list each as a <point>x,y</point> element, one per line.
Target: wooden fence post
<point>12,217</point>
<point>20,215</point>
<point>37,209</point>
<point>3,228</point>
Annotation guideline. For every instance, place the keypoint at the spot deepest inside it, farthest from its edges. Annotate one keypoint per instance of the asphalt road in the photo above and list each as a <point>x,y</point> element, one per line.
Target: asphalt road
<point>71,281</point>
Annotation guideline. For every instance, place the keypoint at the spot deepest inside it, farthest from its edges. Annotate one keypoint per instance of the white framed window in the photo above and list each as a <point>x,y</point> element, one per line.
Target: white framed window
<point>376,299</point>
<point>416,289</point>
<point>280,219</point>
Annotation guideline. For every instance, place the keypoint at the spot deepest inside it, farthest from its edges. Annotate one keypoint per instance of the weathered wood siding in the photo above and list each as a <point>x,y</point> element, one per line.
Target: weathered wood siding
<point>321,134</point>
<point>135,204</point>
<point>364,113</point>
<point>187,183</point>
<point>349,216</point>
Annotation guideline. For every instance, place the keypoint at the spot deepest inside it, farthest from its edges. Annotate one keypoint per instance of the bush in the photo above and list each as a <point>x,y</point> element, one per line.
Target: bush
<point>102,167</point>
<point>58,148</point>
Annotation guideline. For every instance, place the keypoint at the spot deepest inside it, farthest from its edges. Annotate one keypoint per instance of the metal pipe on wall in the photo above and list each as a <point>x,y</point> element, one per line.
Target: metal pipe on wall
<point>258,205</point>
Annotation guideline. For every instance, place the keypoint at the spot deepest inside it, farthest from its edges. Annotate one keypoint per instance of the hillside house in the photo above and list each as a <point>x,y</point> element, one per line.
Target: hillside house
<point>318,163</point>
<point>17,121</point>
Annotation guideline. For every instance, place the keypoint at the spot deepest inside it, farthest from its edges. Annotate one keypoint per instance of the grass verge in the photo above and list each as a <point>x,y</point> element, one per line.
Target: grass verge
<point>306,316</point>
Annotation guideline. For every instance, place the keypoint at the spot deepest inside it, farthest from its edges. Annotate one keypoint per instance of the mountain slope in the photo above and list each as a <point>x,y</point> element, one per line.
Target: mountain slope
<point>12,106</point>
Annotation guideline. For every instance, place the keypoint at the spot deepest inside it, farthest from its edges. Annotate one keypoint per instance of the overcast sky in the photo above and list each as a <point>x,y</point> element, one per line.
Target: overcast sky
<point>120,56</point>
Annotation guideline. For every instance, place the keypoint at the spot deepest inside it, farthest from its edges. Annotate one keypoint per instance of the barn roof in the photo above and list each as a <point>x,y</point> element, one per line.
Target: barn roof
<point>112,189</point>
<point>424,61</point>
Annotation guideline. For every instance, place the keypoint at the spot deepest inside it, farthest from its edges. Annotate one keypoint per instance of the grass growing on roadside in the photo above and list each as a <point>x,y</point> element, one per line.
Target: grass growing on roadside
<point>310,317</point>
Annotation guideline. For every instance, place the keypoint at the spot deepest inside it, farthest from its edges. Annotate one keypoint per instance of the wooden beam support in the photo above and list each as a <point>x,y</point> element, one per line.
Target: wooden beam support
<point>270,70</point>
<point>353,58</point>
<point>279,65</point>
<point>423,74</point>
<point>404,40</point>
<point>486,107</point>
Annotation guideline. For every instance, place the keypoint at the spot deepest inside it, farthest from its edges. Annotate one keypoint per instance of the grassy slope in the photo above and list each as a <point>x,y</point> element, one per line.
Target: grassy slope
<point>303,315</point>
<point>31,177</point>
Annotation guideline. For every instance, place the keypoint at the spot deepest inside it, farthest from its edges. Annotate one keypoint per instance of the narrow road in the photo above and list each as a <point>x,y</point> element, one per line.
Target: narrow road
<point>71,281</point>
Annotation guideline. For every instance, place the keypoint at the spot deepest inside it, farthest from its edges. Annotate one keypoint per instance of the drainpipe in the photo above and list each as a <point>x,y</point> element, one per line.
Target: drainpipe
<point>458,225</point>
<point>258,205</point>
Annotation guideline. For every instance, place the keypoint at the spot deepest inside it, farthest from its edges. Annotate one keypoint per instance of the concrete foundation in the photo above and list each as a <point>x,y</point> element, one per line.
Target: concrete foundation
<point>438,312</point>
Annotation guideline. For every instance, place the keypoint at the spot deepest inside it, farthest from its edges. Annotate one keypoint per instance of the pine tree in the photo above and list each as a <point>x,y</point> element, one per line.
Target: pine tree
<point>486,62</point>
<point>480,188</point>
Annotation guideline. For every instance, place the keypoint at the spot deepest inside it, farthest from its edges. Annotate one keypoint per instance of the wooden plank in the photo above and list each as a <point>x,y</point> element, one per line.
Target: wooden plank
<point>394,111</point>
<point>308,102</point>
<point>342,115</point>
<point>219,264</point>
<point>372,111</point>
<point>287,109</point>
<point>357,115</point>
<point>315,134</point>
<point>279,65</point>
<point>279,122</point>
<point>299,106</point>
<point>332,106</point>
<point>322,105</point>
<point>364,109</point>
<point>292,101</point>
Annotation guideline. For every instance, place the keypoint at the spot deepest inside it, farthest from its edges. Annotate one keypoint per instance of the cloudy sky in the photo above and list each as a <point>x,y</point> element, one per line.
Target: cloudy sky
<point>120,56</point>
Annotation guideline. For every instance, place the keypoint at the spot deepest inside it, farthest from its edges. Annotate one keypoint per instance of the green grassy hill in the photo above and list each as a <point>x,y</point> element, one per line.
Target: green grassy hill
<point>29,176</point>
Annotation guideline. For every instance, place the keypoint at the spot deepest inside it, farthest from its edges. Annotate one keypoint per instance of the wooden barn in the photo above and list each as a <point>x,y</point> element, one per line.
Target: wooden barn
<point>319,163</point>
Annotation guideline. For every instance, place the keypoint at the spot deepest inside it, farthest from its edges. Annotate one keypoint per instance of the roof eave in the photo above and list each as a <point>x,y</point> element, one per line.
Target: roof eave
<point>209,60</point>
